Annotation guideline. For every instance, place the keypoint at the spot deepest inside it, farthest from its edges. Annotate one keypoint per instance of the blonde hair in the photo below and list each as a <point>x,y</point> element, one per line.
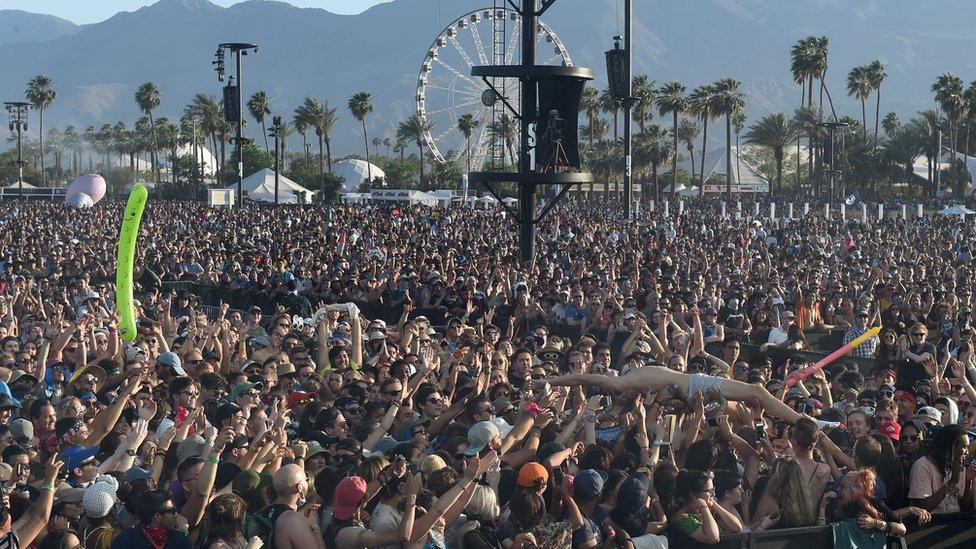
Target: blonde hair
<point>483,504</point>
<point>790,491</point>
<point>371,468</point>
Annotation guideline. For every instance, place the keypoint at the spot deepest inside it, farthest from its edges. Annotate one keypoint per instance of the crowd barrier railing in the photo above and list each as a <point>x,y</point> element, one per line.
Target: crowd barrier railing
<point>945,531</point>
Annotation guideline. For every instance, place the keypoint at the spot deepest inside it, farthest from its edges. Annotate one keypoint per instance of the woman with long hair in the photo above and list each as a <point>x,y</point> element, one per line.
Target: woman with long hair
<point>939,482</point>
<point>889,470</point>
<point>855,500</point>
<point>786,501</point>
<point>226,514</point>
<point>692,517</point>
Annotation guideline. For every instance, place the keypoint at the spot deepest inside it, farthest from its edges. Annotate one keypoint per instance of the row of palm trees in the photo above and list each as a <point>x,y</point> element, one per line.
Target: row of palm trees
<point>202,121</point>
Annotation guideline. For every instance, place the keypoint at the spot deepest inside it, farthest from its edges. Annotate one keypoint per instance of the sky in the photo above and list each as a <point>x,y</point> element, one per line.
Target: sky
<point>93,11</point>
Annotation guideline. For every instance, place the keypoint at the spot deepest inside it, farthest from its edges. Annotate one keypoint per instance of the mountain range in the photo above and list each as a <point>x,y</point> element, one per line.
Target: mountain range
<point>96,68</point>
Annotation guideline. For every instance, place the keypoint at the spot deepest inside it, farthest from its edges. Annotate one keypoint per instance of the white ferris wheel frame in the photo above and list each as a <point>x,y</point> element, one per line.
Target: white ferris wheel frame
<point>470,87</point>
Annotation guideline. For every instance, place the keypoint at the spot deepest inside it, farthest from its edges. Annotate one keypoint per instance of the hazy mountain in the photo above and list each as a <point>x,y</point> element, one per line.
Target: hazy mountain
<point>314,52</point>
<point>22,26</point>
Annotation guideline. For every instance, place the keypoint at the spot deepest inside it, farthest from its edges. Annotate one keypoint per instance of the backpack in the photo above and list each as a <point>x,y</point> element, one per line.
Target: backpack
<point>262,523</point>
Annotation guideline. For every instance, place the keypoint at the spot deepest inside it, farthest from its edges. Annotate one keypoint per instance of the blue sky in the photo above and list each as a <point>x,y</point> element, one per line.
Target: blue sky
<point>92,11</point>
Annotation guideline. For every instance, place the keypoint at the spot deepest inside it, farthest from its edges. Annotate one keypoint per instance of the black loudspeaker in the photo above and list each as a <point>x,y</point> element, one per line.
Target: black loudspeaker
<point>828,151</point>
<point>617,73</point>
<point>232,105</point>
<point>557,125</point>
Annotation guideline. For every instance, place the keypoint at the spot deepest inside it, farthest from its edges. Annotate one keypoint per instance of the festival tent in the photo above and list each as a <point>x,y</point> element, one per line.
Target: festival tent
<point>354,172</point>
<point>16,185</point>
<point>957,209</point>
<point>745,178</point>
<point>260,186</point>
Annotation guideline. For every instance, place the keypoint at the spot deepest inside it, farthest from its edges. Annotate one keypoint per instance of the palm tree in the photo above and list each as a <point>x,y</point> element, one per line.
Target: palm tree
<point>590,104</point>
<point>400,146</point>
<point>808,120</point>
<point>317,114</point>
<point>687,134</point>
<point>360,105</point>
<point>701,102</point>
<point>301,126</point>
<point>859,87</point>
<point>650,149</point>
<point>71,142</point>
<point>40,94</point>
<point>466,125</point>
<point>820,70</point>
<point>644,94</point>
<point>148,99</point>
<point>902,148</point>
<point>948,90</point>
<point>386,143</point>
<point>728,101</point>
<point>610,105</point>
<point>775,132</point>
<point>91,143</point>
<point>376,142</point>
<point>414,129</point>
<point>55,141</point>
<point>876,76</point>
<point>671,100</point>
<point>927,126</point>
<point>890,123</point>
<point>170,138</point>
<point>507,130</point>
<point>259,106</point>
<point>738,124</point>
<point>208,111</point>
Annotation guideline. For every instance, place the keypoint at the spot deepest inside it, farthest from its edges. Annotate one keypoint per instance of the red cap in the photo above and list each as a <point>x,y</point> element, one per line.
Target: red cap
<point>890,429</point>
<point>347,497</point>
<point>299,396</point>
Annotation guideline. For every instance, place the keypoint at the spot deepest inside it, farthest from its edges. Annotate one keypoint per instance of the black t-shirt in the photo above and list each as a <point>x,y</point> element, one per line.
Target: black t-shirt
<point>910,372</point>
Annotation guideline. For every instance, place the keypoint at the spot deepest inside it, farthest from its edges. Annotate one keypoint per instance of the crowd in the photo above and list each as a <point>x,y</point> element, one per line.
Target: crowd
<point>632,387</point>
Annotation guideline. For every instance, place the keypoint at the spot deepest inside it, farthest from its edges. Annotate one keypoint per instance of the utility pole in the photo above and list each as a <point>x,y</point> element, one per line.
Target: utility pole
<point>628,109</point>
<point>527,192</point>
<point>234,102</point>
<point>938,159</point>
<point>18,121</point>
<point>275,131</point>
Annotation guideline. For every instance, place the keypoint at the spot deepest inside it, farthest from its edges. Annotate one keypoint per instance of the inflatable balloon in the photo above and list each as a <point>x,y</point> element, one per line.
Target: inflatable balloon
<point>128,235</point>
<point>79,200</point>
<point>91,184</point>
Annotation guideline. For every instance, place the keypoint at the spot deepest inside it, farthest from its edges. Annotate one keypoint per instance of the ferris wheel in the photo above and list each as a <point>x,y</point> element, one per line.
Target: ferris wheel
<point>446,91</point>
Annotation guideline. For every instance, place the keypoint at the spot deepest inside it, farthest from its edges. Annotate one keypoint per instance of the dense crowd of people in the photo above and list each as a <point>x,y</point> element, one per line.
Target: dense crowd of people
<point>401,380</point>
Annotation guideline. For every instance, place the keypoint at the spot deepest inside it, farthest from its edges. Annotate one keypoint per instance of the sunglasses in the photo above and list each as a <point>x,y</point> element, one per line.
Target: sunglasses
<point>918,334</point>
<point>910,438</point>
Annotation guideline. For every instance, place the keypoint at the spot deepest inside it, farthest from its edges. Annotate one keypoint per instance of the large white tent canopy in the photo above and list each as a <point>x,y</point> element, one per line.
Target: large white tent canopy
<point>355,171</point>
<point>260,186</point>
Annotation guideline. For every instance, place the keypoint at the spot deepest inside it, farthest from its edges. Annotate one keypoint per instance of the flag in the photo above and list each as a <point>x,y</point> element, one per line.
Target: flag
<point>853,200</point>
<point>341,246</point>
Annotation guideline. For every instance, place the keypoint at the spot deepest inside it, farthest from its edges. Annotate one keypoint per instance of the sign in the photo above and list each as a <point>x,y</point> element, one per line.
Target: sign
<point>739,188</point>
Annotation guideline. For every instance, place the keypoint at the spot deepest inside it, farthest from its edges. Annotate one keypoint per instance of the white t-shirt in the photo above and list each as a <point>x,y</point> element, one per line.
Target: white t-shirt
<point>777,336</point>
<point>926,479</point>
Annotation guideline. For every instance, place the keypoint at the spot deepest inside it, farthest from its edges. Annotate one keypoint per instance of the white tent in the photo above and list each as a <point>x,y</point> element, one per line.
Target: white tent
<point>510,201</point>
<point>745,179</point>
<point>209,160</point>
<point>957,209</point>
<point>16,185</point>
<point>355,171</point>
<point>260,186</point>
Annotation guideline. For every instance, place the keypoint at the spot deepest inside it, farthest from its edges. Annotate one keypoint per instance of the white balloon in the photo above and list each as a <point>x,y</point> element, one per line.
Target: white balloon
<point>79,200</point>
<point>91,184</point>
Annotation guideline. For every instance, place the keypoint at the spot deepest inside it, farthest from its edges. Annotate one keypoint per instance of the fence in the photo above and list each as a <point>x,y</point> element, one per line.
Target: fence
<point>795,210</point>
<point>944,532</point>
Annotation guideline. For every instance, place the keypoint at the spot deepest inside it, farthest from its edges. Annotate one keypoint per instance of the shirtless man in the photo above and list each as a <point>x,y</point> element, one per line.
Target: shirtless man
<point>294,529</point>
<point>656,378</point>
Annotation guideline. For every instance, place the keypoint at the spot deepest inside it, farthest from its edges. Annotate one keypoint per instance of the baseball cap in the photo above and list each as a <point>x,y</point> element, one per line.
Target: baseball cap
<point>314,449</point>
<point>347,497</point>
<point>191,447</point>
<point>247,481</point>
<point>929,412</point>
<point>243,387</point>
<point>479,435</point>
<point>172,360</point>
<point>532,474</point>
<point>223,412</point>
<point>890,429</point>
<point>589,482</point>
<point>77,455</point>
<point>22,430</point>
<point>100,497</point>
